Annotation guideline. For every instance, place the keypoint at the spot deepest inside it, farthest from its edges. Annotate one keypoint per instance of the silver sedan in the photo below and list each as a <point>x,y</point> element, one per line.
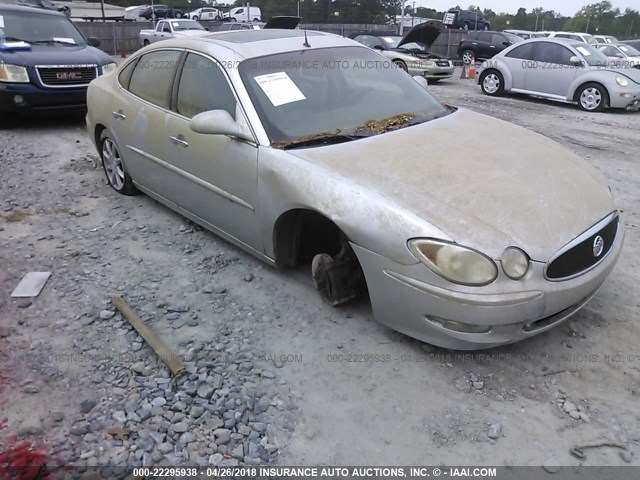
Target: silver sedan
<point>302,148</point>
<point>563,70</point>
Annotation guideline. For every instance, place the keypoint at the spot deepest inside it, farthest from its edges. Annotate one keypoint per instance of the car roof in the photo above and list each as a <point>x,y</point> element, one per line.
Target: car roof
<point>6,7</point>
<point>258,43</point>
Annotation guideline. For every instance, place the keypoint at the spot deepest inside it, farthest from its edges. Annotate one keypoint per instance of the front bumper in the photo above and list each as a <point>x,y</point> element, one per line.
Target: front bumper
<point>28,98</point>
<point>413,300</point>
<point>431,73</point>
<point>625,97</point>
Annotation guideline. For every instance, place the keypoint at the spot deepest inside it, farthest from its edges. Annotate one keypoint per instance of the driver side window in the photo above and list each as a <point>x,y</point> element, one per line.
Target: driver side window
<point>203,87</point>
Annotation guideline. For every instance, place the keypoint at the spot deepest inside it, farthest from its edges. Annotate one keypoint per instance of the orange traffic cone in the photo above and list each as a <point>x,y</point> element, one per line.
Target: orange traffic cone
<point>472,68</point>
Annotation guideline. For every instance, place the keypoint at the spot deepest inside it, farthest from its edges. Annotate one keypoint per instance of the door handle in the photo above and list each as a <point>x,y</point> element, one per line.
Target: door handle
<point>179,140</point>
<point>119,115</point>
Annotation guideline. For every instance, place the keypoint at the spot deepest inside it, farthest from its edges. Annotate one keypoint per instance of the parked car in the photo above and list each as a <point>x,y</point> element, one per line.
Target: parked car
<point>360,172</point>
<point>483,45</point>
<point>621,53</point>
<point>285,22</point>
<point>46,4</point>
<point>579,36</point>
<point>132,14</point>
<point>166,29</point>
<point>227,26</point>
<point>465,20</point>
<point>526,34</point>
<point>634,43</point>
<point>206,13</point>
<point>161,11</point>
<point>605,39</point>
<point>46,64</point>
<point>242,14</point>
<point>411,52</point>
<point>568,71</point>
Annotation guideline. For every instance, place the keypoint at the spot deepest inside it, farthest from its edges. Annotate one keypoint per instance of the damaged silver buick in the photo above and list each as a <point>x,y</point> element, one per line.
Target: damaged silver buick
<point>282,143</point>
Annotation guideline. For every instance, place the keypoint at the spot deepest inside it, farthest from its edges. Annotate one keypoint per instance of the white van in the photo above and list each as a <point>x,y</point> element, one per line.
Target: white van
<point>244,14</point>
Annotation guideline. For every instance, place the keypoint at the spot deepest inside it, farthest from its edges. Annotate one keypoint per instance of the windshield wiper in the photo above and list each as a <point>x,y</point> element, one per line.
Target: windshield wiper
<point>40,42</point>
<point>13,39</point>
<point>323,138</point>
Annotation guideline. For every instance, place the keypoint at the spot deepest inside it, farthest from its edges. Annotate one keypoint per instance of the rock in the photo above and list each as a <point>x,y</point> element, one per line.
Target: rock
<point>216,459</point>
<point>173,316</point>
<point>180,427</point>
<point>79,429</point>
<point>30,426</point>
<point>310,434</point>
<point>205,391</point>
<point>87,405</point>
<point>244,430</point>
<point>165,448</point>
<point>196,412</point>
<point>494,431</point>
<point>223,435</point>
<point>238,452</point>
<point>4,331</point>
<point>626,455</point>
<point>187,438</point>
<point>119,416</point>
<point>30,388</point>
<point>158,402</point>
<point>249,277</point>
<point>157,437</point>
<point>478,385</point>
<point>178,309</point>
<point>551,465</point>
<point>574,414</point>
<point>569,406</point>
<point>584,417</point>
<point>138,367</point>
<point>107,314</point>
<point>57,416</point>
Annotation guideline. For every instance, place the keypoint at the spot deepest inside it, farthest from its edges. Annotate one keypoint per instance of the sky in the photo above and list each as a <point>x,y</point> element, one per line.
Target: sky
<point>565,7</point>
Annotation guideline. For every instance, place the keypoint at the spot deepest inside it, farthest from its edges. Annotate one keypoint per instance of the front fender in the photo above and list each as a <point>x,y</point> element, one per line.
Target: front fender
<point>606,78</point>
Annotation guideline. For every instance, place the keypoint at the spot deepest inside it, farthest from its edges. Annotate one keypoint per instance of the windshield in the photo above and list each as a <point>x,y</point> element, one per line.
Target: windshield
<point>591,55</point>
<point>590,39</point>
<point>186,25</point>
<point>334,90</point>
<point>514,38</point>
<point>629,51</point>
<point>35,27</point>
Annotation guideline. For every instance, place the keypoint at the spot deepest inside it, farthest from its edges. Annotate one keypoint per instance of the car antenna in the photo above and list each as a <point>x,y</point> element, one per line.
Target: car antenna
<point>306,42</point>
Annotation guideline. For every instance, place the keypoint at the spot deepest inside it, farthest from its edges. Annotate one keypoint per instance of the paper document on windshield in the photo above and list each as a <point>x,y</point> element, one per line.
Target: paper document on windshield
<point>64,40</point>
<point>279,88</point>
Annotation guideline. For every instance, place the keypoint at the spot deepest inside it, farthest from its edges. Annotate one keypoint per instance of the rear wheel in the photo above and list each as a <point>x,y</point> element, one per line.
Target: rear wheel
<point>232,19</point>
<point>178,14</point>
<point>492,83</point>
<point>592,97</point>
<point>468,56</point>
<point>145,43</point>
<point>113,166</point>
<point>195,17</point>
<point>218,18</point>
<point>400,64</point>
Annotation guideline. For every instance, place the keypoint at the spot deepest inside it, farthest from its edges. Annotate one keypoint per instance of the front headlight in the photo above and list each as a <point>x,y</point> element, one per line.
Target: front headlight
<point>430,63</point>
<point>515,263</point>
<point>622,81</point>
<point>454,262</point>
<point>13,73</point>
<point>108,68</point>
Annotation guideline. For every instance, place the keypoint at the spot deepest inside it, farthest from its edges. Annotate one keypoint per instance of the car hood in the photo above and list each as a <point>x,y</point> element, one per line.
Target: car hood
<point>56,55</point>
<point>190,33</point>
<point>423,34</point>
<point>481,190</point>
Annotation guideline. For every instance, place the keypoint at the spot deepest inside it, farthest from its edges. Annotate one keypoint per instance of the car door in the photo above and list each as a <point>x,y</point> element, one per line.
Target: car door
<point>552,72</point>
<point>221,171</point>
<point>139,123</point>
<point>519,61</point>
<point>482,43</point>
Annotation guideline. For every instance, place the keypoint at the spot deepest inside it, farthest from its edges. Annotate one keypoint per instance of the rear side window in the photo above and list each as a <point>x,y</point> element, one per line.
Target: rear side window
<point>153,75</point>
<point>203,87</point>
<point>552,53</point>
<point>125,74</point>
<point>485,37</point>
<point>525,52</point>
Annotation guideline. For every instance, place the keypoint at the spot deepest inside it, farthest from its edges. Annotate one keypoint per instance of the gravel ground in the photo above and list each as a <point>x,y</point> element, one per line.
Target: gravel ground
<point>273,375</point>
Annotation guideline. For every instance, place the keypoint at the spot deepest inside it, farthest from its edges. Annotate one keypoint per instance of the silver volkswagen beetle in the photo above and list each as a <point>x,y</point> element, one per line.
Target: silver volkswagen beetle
<point>564,70</point>
<point>302,148</point>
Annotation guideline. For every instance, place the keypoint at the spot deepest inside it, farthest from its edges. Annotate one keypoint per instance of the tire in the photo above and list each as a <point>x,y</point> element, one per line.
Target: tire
<point>256,19</point>
<point>218,18</point>
<point>467,56</point>
<point>145,43</point>
<point>466,26</point>
<point>195,17</point>
<point>400,64</point>
<point>492,83</point>
<point>178,15</point>
<point>232,19</point>
<point>486,27</point>
<point>113,166</point>
<point>592,97</point>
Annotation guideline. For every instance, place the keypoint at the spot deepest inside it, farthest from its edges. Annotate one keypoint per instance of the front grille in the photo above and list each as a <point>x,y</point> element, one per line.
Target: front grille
<point>443,64</point>
<point>581,254</point>
<point>60,76</point>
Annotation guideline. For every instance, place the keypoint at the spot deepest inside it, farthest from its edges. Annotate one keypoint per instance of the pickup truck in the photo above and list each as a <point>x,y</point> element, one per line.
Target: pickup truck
<point>171,29</point>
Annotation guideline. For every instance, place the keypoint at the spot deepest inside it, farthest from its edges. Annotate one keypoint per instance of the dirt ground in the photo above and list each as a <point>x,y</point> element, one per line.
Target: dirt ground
<point>419,405</point>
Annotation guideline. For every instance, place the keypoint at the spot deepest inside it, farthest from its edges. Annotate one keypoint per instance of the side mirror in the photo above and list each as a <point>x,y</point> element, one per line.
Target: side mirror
<point>421,81</point>
<point>93,42</point>
<point>575,61</point>
<point>219,122</point>
<point>506,43</point>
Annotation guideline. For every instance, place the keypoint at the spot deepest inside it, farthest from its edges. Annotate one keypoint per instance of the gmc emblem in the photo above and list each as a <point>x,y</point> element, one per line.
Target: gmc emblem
<point>68,76</point>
